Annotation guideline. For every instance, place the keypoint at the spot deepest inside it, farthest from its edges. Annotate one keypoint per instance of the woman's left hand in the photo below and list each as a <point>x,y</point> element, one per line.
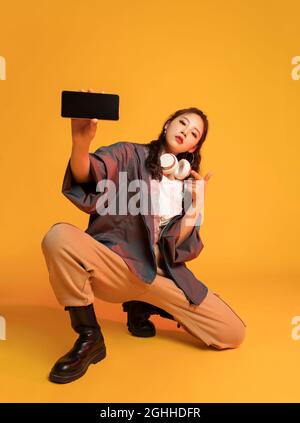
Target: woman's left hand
<point>196,187</point>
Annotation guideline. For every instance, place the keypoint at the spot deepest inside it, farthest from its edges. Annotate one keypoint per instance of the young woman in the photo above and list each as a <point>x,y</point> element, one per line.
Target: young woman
<point>134,258</point>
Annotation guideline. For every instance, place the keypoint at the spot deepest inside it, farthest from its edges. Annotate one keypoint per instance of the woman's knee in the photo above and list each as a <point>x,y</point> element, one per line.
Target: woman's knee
<point>55,237</point>
<point>232,336</point>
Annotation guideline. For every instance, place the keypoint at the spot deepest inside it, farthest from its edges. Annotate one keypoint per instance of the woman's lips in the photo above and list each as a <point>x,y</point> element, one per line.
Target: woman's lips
<point>178,139</point>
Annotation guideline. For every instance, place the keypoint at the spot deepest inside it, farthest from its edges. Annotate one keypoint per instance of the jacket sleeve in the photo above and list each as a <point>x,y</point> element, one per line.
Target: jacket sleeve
<point>188,249</point>
<point>105,163</point>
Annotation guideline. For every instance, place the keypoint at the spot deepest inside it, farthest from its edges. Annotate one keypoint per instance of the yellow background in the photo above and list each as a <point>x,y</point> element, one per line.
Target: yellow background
<point>231,59</point>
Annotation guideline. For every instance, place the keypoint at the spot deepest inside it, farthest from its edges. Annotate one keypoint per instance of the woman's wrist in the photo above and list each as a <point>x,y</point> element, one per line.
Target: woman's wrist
<point>80,147</point>
<point>80,164</point>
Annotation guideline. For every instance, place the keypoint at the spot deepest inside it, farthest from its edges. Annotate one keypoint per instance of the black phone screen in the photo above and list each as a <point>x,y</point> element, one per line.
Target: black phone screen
<point>77,104</point>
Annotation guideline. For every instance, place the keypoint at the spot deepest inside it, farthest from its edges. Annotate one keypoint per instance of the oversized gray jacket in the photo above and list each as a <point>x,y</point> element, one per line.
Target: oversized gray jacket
<point>132,236</point>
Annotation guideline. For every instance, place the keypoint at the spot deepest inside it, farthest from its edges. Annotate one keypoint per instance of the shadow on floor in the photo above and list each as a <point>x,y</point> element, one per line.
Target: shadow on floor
<point>43,331</point>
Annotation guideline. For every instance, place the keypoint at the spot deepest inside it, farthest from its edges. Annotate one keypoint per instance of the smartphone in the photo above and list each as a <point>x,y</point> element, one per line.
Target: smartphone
<point>78,104</point>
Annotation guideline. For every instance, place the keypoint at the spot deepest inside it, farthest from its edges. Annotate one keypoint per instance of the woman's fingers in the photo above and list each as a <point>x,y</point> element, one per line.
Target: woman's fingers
<point>90,90</point>
<point>196,175</point>
<point>208,176</point>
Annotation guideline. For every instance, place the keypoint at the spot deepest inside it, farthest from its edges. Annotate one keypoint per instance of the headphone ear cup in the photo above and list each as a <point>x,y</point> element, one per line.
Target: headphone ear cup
<point>169,163</point>
<point>183,169</point>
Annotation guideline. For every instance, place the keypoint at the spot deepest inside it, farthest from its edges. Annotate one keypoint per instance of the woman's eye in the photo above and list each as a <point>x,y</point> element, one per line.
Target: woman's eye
<point>195,135</point>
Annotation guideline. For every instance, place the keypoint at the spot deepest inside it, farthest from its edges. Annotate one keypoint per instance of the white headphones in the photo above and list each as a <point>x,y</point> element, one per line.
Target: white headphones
<point>171,166</point>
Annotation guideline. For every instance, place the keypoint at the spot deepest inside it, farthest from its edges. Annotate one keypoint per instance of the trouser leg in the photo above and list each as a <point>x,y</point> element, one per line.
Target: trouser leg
<point>81,268</point>
<point>213,321</point>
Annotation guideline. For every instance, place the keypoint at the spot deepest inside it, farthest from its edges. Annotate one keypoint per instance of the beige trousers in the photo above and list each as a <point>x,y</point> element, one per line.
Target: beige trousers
<point>81,268</point>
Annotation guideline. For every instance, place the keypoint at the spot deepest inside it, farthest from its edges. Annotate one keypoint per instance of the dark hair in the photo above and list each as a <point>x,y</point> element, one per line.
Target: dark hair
<point>152,162</point>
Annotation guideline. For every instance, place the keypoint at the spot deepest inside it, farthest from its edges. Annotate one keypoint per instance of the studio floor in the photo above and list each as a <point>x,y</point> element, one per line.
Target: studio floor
<point>170,367</point>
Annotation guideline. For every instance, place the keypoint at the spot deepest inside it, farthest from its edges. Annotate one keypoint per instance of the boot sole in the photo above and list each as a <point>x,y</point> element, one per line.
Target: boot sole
<point>151,331</point>
<point>95,358</point>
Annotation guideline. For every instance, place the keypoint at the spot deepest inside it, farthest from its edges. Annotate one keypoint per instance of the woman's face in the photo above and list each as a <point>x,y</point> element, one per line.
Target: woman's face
<point>189,127</point>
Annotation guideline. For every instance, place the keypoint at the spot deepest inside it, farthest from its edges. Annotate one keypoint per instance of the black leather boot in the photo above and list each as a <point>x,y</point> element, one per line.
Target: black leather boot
<point>89,347</point>
<point>138,313</point>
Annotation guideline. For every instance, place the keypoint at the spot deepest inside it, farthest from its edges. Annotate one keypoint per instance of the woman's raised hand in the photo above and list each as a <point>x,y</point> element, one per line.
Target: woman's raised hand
<point>196,188</point>
<point>83,130</point>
